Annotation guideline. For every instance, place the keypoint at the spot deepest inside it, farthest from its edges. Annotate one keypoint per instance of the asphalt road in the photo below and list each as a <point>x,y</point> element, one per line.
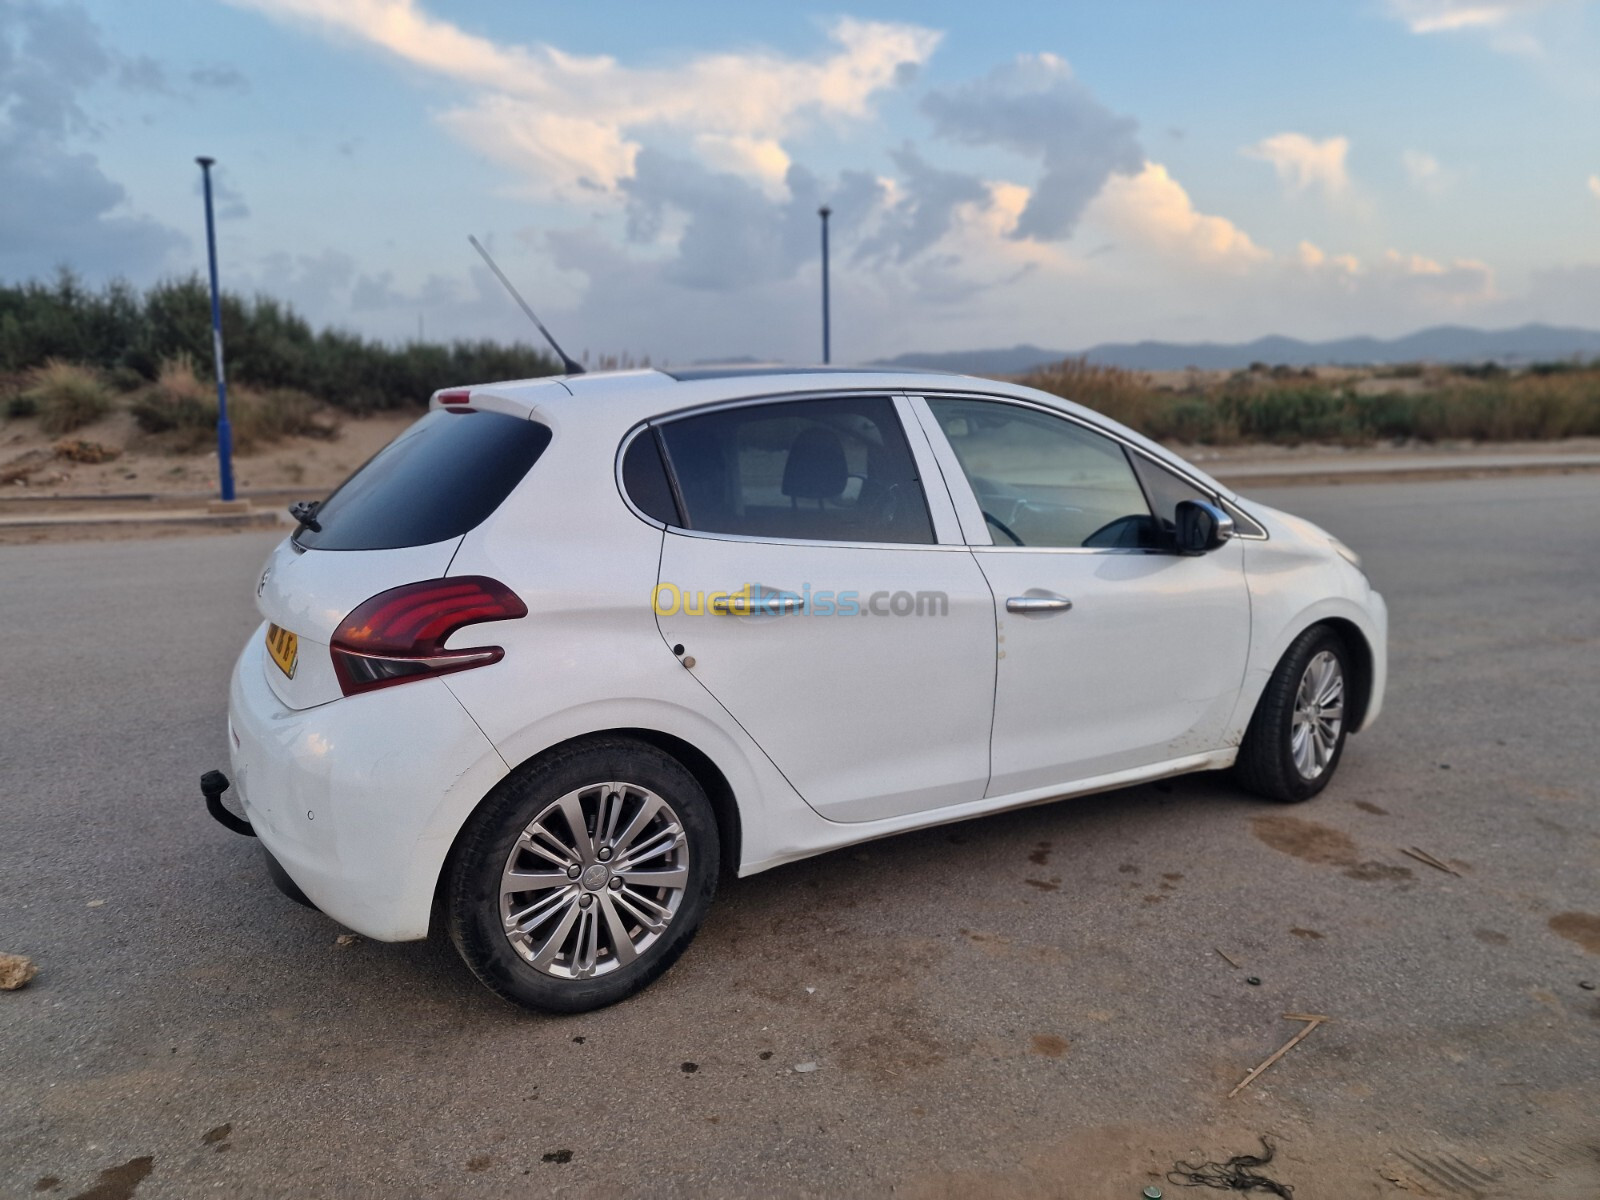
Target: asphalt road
<point>1027,1005</point>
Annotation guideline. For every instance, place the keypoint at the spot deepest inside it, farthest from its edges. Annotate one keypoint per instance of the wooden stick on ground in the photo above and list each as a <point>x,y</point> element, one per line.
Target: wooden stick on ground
<point>1227,959</point>
<point>1422,856</point>
<point>1312,1020</point>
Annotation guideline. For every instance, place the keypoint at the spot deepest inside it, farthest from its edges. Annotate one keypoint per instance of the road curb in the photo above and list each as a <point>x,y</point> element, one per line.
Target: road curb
<point>234,520</point>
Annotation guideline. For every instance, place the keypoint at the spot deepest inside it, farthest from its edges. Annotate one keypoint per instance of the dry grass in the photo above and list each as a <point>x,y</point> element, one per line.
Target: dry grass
<point>1120,394</point>
<point>80,450</point>
<point>1289,407</point>
<point>65,397</point>
<point>181,410</point>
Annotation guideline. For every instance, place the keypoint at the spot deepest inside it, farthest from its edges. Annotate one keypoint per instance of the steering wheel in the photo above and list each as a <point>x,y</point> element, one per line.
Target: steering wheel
<point>1002,527</point>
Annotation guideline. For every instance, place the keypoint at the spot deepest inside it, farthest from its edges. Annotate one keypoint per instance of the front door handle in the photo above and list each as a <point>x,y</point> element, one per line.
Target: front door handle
<point>762,602</point>
<point>1037,604</point>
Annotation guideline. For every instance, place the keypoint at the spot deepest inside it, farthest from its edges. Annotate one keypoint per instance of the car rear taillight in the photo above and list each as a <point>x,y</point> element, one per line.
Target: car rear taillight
<point>456,399</point>
<point>399,635</point>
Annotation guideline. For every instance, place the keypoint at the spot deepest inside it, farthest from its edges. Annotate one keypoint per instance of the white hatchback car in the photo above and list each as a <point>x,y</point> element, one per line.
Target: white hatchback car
<point>568,650</point>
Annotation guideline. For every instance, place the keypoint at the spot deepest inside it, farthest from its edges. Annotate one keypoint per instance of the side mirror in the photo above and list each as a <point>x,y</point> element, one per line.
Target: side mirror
<point>1201,527</point>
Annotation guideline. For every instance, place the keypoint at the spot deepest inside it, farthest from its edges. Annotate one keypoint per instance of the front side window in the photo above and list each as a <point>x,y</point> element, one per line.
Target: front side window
<point>836,470</point>
<point>1045,481</point>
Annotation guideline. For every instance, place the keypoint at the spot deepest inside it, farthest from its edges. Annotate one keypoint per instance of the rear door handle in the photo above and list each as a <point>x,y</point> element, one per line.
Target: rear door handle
<point>763,602</point>
<point>1037,604</point>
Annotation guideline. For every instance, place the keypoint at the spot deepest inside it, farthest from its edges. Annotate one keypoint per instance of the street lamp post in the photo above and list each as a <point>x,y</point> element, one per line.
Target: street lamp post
<point>824,212</point>
<point>224,429</point>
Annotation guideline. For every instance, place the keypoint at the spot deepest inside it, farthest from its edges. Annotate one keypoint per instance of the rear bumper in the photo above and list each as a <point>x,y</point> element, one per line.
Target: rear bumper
<point>352,797</point>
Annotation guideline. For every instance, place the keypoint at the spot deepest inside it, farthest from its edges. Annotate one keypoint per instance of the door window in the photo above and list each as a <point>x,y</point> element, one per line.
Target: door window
<point>835,470</point>
<point>1046,481</point>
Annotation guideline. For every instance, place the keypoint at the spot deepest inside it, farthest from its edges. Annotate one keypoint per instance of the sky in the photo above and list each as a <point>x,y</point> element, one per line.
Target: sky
<point>649,175</point>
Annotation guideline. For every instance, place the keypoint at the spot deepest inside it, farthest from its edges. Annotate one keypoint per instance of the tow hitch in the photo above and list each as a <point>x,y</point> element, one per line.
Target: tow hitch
<point>212,785</point>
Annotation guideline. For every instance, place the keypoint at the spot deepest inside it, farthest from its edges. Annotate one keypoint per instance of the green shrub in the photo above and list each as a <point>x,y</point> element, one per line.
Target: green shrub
<point>126,379</point>
<point>22,405</point>
<point>269,346</point>
<point>66,397</point>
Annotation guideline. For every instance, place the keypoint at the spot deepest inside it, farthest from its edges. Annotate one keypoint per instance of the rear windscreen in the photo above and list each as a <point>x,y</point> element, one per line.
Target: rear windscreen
<point>437,480</point>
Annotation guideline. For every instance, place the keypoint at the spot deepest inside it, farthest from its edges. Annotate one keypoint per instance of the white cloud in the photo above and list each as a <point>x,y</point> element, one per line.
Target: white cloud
<point>1501,23</point>
<point>1313,258</point>
<point>764,159</point>
<point>570,121</point>
<point>1152,209</point>
<point>1465,282</point>
<point>1425,172</point>
<point>1303,162</point>
<point>1446,16</point>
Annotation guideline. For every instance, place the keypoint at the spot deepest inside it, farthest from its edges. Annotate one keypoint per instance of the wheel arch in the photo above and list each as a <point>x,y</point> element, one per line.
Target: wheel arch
<point>710,777</point>
<point>1364,633</point>
<point>1361,666</point>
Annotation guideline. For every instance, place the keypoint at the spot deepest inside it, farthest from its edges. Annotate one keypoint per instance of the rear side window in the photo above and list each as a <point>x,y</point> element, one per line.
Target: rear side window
<point>644,476</point>
<point>437,480</point>
<point>835,470</point>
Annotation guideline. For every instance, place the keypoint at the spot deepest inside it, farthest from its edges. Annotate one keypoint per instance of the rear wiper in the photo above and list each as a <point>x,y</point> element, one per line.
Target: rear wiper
<point>305,514</point>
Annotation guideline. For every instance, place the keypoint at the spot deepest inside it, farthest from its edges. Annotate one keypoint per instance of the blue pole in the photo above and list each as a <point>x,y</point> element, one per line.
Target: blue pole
<point>824,212</point>
<point>224,429</point>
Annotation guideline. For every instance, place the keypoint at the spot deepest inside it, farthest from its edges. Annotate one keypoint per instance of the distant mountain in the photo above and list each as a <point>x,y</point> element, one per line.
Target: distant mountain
<point>1442,343</point>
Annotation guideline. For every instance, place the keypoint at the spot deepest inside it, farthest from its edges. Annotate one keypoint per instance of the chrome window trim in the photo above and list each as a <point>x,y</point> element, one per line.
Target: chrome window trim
<point>1243,530</point>
<point>894,396</point>
<point>1139,550</point>
<point>944,547</point>
<point>705,406</point>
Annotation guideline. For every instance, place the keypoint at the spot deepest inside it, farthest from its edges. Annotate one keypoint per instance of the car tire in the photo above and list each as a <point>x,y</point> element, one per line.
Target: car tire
<point>603,914</point>
<point>1297,734</point>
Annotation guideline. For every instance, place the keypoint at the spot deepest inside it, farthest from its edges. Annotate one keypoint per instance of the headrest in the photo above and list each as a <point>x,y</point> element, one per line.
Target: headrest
<point>816,467</point>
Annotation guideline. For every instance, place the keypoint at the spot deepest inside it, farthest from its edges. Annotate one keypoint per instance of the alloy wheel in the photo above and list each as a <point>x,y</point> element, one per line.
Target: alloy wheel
<point>1318,715</point>
<point>594,880</point>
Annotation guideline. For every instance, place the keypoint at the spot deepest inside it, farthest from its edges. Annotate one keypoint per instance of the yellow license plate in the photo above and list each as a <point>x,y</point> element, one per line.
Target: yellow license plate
<point>284,648</point>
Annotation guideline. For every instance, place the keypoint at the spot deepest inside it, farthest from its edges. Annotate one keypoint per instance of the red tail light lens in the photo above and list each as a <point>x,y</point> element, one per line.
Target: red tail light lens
<point>456,399</point>
<point>399,635</point>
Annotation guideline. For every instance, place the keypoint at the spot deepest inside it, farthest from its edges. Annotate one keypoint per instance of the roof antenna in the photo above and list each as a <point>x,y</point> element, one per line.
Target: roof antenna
<point>571,367</point>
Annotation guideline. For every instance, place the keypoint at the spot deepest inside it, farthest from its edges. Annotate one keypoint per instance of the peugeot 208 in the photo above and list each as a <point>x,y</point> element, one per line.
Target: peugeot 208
<point>570,650</point>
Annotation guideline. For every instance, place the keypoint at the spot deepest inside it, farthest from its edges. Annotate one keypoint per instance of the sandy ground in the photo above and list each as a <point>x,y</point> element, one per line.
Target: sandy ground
<point>142,465</point>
